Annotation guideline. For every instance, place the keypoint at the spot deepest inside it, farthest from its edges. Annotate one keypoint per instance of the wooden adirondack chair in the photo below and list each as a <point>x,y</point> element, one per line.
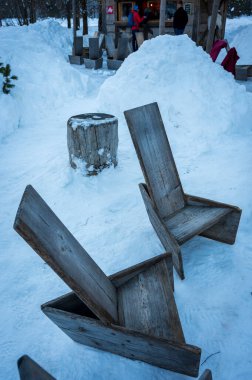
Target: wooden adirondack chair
<point>30,370</point>
<point>175,216</point>
<point>131,313</point>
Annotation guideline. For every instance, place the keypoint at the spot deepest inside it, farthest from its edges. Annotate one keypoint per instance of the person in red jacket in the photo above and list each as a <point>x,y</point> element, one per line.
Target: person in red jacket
<point>135,28</point>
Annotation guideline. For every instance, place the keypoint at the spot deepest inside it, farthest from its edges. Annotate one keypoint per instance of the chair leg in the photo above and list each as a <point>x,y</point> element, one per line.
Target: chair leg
<point>167,239</point>
<point>225,229</point>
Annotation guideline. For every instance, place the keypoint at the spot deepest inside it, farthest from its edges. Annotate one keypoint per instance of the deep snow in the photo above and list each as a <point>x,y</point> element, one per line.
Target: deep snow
<point>208,121</point>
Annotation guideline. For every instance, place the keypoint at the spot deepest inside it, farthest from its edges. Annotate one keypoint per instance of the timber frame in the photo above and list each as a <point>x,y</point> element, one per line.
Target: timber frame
<point>198,11</point>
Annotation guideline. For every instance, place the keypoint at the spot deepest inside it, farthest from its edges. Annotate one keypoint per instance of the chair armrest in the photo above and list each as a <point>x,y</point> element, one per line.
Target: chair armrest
<point>121,277</point>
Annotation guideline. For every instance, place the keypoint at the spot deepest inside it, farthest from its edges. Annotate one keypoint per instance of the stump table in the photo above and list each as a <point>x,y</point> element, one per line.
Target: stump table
<point>92,141</point>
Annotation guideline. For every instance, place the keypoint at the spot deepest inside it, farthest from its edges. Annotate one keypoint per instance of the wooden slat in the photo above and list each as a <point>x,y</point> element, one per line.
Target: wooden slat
<point>110,46</point>
<point>146,304</point>
<point>206,375</point>
<point>139,38</point>
<point>156,159</point>
<point>47,235</point>
<point>177,357</point>
<point>30,370</point>
<point>192,220</point>
<point>122,49</point>
<point>166,238</point>
<point>94,49</point>
<point>225,230</point>
<point>120,278</point>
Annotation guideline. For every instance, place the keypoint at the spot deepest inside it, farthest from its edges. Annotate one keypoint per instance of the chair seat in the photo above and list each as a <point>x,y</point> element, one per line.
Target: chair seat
<point>192,220</point>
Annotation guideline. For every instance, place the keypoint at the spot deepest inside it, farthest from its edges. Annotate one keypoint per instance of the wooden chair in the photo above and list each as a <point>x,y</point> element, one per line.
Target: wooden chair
<point>175,216</point>
<point>30,370</point>
<point>131,313</point>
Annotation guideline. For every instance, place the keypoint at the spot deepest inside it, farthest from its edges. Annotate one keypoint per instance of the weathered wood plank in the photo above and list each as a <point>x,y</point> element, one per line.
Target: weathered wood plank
<point>30,370</point>
<point>48,236</point>
<point>225,230</point>
<point>146,304</point>
<point>139,38</point>
<point>206,375</point>
<point>177,357</point>
<point>156,159</point>
<point>94,49</point>
<point>193,220</point>
<point>167,239</point>
<point>122,48</point>
<point>110,46</point>
<point>125,275</point>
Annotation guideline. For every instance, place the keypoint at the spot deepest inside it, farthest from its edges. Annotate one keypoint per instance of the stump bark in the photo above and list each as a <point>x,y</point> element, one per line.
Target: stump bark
<point>92,141</point>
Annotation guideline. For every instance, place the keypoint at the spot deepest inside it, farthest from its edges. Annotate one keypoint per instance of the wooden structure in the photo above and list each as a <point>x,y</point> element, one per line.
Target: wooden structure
<point>175,216</point>
<point>242,72</point>
<point>95,60</point>
<point>199,13</point>
<point>116,56</point>
<point>30,370</point>
<point>92,141</point>
<point>131,313</point>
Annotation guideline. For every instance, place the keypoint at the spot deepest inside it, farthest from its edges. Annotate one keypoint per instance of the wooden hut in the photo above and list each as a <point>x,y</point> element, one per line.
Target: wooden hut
<point>199,15</point>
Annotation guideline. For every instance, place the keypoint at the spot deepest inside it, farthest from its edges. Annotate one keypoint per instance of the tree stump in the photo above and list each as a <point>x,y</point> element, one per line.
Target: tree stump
<point>92,141</point>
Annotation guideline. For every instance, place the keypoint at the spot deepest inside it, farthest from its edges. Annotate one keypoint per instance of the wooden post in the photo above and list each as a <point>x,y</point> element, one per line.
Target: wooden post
<point>92,142</point>
<point>211,31</point>
<point>162,17</point>
<point>224,18</point>
<point>196,21</point>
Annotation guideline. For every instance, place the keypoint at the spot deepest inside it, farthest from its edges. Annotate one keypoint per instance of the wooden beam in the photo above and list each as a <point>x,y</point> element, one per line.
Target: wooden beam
<point>163,353</point>
<point>125,275</point>
<point>210,37</point>
<point>162,17</point>
<point>48,236</point>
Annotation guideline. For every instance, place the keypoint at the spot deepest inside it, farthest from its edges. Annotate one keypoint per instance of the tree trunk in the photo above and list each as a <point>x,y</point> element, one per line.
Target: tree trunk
<point>92,141</point>
<point>162,17</point>
<point>68,9</point>
<point>84,17</point>
<point>33,11</point>
<point>74,25</point>
<point>100,17</point>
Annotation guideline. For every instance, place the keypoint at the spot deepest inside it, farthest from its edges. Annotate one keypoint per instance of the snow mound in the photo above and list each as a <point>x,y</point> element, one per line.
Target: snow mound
<point>46,81</point>
<point>196,97</point>
<point>241,42</point>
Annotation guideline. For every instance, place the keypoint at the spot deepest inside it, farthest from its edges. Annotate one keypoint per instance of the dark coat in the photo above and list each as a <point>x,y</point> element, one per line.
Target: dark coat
<point>180,19</point>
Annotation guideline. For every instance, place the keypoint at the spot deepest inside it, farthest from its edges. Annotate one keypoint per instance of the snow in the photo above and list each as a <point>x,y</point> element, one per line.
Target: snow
<point>208,121</point>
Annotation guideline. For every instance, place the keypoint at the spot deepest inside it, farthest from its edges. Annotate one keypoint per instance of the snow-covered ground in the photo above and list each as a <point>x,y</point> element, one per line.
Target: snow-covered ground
<point>208,120</point>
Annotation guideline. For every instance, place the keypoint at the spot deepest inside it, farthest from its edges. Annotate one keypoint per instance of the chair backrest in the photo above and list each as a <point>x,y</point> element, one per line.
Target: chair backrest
<point>156,159</point>
<point>48,236</point>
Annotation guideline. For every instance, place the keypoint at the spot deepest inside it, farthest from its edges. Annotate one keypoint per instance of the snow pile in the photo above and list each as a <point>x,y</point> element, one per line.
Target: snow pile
<point>38,56</point>
<point>195,95</point>
<point>239,35</point>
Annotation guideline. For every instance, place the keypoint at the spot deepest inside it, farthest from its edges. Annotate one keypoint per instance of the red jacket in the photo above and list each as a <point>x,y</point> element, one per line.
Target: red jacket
<point>137,20</point>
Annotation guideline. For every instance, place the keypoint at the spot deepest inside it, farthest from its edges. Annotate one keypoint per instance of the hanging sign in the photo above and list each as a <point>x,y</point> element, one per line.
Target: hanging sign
<point>110,10</point>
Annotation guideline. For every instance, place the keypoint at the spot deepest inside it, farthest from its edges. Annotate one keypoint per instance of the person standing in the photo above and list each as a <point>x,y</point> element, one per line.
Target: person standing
<point>180,19</point>
<point>135,27</point>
